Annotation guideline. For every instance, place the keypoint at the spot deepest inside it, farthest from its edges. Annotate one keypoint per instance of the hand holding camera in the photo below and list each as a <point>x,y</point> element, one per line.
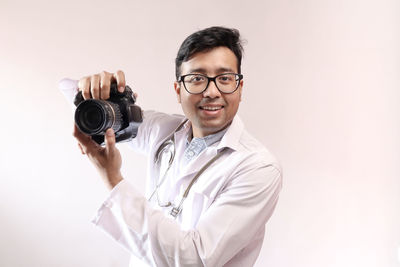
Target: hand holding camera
<point>93,116</point>
<point>106,113</point>
<point>97,86</point>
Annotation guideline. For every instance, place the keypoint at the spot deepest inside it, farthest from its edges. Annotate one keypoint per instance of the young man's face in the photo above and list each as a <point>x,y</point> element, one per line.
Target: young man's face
<point>210,111</point>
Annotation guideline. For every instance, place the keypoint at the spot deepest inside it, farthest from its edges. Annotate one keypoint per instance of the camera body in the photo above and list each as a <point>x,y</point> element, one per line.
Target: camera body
<point>119,112</point>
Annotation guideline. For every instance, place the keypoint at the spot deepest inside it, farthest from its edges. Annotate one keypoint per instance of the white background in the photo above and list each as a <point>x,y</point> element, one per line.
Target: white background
<point>322,91</point>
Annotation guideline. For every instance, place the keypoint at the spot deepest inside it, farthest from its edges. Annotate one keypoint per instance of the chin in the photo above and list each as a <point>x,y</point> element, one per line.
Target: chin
<point>212,127</point>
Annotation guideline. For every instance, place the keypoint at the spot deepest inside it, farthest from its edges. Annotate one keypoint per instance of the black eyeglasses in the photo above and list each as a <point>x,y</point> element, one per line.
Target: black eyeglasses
<point>226,83</point>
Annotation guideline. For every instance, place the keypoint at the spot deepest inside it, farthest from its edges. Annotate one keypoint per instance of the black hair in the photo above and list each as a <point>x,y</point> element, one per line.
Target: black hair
<point>207,39</point>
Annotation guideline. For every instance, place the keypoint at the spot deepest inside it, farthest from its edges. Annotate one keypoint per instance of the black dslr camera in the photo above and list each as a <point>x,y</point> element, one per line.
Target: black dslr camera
<point>119,112</point>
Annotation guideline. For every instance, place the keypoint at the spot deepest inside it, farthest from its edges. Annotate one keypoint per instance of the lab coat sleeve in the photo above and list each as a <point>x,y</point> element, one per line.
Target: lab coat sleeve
<point>155,126</point>
<point>231,222</point>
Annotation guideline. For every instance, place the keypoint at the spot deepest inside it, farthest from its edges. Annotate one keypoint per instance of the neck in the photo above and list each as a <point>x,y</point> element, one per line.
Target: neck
<point>203,133</point>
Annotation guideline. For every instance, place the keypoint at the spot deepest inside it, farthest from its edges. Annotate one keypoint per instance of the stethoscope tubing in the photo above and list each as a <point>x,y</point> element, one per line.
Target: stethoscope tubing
<point>170,141</point>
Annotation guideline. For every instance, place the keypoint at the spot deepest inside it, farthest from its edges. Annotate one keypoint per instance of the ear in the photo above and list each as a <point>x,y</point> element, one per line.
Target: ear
<point>240,89</point>
<point>177,88</point>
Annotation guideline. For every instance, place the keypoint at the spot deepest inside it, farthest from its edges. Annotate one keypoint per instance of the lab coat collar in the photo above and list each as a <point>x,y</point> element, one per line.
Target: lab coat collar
<point>182,133</point>
<point>231,139</point>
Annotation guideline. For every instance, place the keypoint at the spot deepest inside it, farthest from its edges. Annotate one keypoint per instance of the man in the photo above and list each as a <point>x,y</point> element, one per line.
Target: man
<point>211,187</point>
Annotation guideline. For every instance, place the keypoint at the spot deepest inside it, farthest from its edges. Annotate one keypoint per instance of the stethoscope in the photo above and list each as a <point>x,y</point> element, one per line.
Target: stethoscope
<point>169,145</point>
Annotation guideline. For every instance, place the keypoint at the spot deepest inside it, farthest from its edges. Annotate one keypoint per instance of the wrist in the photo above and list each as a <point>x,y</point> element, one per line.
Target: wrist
<point>112,180</point>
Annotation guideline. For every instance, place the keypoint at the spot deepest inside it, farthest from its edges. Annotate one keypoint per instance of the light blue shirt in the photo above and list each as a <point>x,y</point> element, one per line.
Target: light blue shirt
<point>195,146</point>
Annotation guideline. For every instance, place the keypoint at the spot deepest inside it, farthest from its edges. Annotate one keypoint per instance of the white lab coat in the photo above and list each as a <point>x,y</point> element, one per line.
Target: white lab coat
<point>223,219</point>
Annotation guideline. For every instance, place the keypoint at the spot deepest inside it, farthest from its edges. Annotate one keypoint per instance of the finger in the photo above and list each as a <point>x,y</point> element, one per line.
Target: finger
<point>85,141</point>
<point>119,76</point>
<point>84,86</point>
<point>95,86</point>
<point>105,84</point>
<point>135,95</point>
<point>110,141</point>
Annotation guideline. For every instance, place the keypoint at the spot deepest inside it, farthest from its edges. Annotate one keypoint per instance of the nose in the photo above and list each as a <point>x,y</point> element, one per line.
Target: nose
<point>212,90</point>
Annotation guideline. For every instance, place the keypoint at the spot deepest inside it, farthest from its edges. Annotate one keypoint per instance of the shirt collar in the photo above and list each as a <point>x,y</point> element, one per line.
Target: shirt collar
<point>230,138</point>
<point>208,140</point>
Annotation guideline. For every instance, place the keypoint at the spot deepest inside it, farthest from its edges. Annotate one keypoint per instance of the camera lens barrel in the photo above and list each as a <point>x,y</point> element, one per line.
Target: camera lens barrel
<point>94,116</point>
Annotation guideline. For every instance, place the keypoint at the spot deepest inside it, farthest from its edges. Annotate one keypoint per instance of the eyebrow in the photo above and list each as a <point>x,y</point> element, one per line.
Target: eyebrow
<point>204,71</point>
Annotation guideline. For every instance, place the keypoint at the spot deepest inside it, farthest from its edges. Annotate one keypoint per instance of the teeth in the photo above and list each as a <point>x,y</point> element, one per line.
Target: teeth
<point>211,108</point>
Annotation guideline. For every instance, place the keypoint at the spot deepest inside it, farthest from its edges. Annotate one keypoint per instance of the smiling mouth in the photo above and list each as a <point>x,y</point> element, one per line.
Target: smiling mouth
<point>211,108</point>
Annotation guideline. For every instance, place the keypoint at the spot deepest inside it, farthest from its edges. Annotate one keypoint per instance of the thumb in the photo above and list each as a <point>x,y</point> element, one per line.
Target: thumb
<point>110,141</point>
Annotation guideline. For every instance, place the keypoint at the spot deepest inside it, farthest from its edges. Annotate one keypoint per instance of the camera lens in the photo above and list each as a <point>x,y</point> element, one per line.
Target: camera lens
<point>92,117</point>
<point>96,116</point>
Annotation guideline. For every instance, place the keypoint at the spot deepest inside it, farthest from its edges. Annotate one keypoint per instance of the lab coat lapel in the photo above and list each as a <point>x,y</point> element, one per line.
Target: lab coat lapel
<point>181,169</point>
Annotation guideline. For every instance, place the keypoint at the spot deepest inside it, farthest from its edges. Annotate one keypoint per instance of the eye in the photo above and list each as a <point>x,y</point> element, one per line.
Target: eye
<point>195,79</point>
<point>226,78</point>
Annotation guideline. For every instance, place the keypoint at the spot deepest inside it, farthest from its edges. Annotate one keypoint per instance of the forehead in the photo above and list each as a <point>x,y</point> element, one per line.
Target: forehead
<point>212,62</point>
